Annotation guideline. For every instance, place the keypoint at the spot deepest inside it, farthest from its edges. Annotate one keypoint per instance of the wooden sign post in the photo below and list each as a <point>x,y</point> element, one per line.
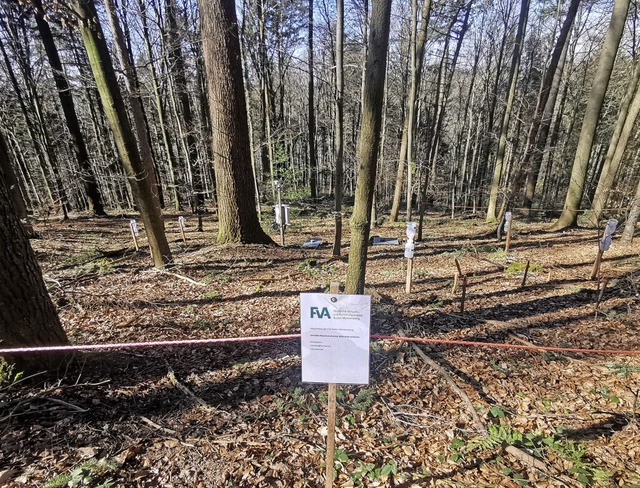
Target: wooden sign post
<point>134,233</point>
<point>335,334</point>
<point>182,225</point>
<point>409,248</point>
<point>605,244</point>
<point>507,229</point>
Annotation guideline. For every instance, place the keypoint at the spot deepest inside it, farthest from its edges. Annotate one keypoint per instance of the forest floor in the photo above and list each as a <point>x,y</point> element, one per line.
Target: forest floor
<point>238,415</point>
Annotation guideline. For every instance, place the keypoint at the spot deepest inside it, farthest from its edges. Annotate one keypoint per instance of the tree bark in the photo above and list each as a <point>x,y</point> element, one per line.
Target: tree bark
<point>416,76</point>
<point>115,111</point>
<point>627,115</point>
<point>339,130</point>
<point>238,220</point>
<point>313,163</point>
<point>27,314</point>
<point>569,216</point>
<point>502,142</point>
<point>368,147</point>
<point>94,199</point>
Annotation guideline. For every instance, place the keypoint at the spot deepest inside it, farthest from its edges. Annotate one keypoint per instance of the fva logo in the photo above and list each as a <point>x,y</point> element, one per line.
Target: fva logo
<point>321,313</point>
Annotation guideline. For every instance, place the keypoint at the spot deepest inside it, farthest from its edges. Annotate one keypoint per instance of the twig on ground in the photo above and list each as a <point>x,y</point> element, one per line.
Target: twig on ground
<point>185,278</point>
<point>159,427</point>
<point>174,381</point>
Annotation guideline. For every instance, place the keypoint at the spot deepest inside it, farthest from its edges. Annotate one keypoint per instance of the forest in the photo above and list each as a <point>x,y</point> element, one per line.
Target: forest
<point>166,164</point>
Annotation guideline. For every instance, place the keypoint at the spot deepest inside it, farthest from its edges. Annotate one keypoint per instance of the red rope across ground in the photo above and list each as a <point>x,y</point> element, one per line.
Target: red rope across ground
<point>200,342</point>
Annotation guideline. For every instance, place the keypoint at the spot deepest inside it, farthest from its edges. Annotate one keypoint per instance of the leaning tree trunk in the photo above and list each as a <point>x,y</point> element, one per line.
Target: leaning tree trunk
<point>135,100</point>
<point>627,115</point>
<point>27,315</point>
<point>238,220</point>
<point>116,113</point>
<point>569,216</point>
<point>371,125</point>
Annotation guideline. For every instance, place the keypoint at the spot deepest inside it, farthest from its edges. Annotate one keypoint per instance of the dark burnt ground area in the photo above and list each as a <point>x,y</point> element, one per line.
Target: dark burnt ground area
<point>238,415</point>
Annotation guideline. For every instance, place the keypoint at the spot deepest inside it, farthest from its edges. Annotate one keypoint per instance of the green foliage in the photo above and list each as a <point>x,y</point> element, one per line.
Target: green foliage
<point>363,400</point>
<point>8,373</point>
<point>212,295</point>
<point>94,473</point>
<point>366,473</point>
<point>518,267</point>
<point>537,444</point>
<point>623,370</point>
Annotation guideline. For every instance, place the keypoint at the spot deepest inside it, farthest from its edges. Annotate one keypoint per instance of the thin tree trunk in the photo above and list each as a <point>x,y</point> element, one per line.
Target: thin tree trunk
<point>409,121</point>
<point>368,146</point>
<point>502,142</point>
<point>339,131</point>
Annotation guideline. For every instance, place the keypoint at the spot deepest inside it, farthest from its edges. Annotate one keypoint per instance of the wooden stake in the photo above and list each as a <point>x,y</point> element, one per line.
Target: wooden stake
<point>464,294</point>
<point>455,283</point>
<point>133,234</point>
<point>334,289</point>
<point>407,287</point>
<point>331,433</point>
<point>508,241</point>
<point>526,271</point>
<point>605,282</point>
<point>596,265</point>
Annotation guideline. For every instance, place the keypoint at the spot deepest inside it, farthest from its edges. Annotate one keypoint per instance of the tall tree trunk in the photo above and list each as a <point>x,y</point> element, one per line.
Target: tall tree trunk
<point>627,115</point>
<point>238,220</point>
<point>159,104</point>
<point>11,181</point>
<point>313,164</point>
<point>139,174</point>
<point>135,100</point>
<point>27,315</point>
<point>177,72</point>
<point>506,117</point>
<point>409,121</point>
<point>94,199</point>
<point>368,145</point>
<point>632,218</point>
<point>569,216</point>
<point>339,131</point>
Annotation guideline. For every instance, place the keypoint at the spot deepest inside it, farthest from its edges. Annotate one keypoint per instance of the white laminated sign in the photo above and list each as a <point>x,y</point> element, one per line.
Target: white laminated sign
<point>335,338</point>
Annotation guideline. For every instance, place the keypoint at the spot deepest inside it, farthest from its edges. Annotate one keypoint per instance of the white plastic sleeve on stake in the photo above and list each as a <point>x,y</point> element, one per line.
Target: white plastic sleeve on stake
<point>134,227</point>
<point>507,221</point>
<point>605,243</point>
<point>182,223</point>
<point>409,247</point>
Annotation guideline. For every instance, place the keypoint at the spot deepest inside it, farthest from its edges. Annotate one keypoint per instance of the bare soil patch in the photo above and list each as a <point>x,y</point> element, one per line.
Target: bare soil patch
<point>238,415</point>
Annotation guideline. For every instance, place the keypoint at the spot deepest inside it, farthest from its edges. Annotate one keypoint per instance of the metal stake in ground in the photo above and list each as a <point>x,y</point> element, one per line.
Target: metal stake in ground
<point>605,244</point>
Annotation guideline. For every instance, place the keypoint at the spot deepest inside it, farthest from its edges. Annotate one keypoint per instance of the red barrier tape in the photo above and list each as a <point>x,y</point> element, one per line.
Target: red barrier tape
<point>200,342</point>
